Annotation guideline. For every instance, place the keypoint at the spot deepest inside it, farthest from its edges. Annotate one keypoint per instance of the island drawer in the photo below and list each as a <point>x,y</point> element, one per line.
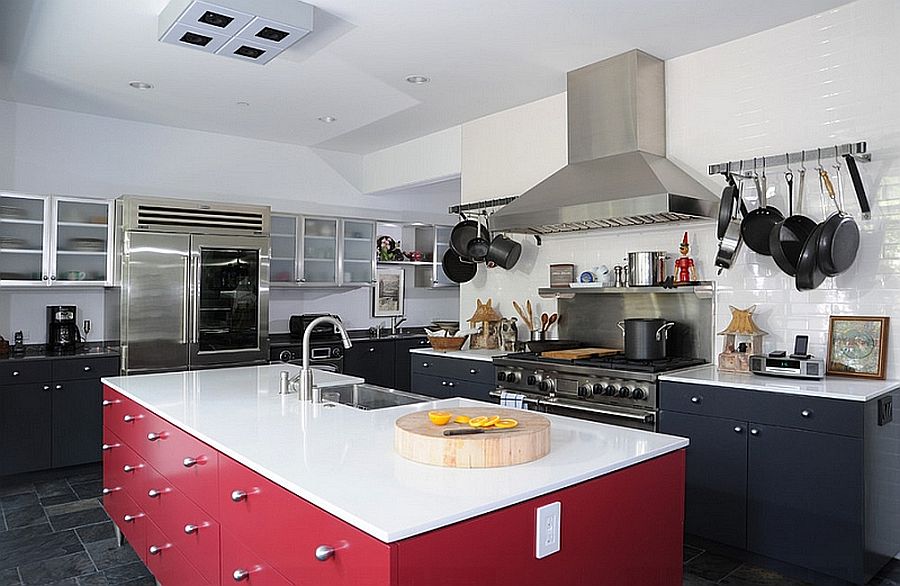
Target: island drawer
<point>476,371</point>
<point>130,519</point>
<point>14,372</point>
<point>445,387</point>
<point>167,563</point>
<point>237,559</point>
<point>192,530</point>
<point>809,413</point>
<point>79,368</point>
<point>125,418</point>
<point>705,400</point>
<point>262,513</point>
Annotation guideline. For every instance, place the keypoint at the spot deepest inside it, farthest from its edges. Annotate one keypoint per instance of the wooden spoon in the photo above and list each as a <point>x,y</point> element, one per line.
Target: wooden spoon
<point>544,319</point>
<point>552,320</point>
<point>530,315</point>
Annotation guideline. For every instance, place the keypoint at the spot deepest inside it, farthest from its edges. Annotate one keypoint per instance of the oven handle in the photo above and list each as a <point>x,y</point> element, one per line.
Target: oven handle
<point>526,399</point>
<point>645,418</point>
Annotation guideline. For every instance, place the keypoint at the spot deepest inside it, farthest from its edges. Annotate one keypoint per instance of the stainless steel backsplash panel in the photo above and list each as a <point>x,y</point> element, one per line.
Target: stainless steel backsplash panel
<point>592,319</point>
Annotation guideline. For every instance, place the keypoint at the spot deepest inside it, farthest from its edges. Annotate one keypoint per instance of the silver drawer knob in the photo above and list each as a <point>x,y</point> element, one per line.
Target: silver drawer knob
<point>240,575</point>
<point>108,402</point>
<point>130,468</point>
<point>738,429</point>
<point>806,413</point>
<point>191,529</point>
<point>87,369</point>
<point>157,549</point>
<point>129,418</point>
<point>108,447</point>
<point>154,436</point>
<point>15,373</point>
<point>696,400</point>
<point>132,518</point>
<point>371,349</point>
<point>57,387</point>
<point>473,371</point>
<point>425,365</point>
<point>46,387</point>
<point>153,493</point>
<point>324,552</point>
<point>109,491</point>
<point>189,462</point>
<point>754,432</point>
<point>238,495</point>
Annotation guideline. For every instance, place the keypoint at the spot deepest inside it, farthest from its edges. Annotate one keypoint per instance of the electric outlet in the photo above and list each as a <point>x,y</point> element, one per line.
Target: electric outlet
<point>547,535</point>
<point>885,410</point>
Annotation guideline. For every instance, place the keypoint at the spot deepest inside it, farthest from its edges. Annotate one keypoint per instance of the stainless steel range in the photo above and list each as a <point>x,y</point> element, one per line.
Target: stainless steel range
<point>608,389</point>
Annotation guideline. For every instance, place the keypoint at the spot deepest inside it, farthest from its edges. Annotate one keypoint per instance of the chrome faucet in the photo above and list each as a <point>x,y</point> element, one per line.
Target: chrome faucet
<point>396,322</point>
<point>305,376</point>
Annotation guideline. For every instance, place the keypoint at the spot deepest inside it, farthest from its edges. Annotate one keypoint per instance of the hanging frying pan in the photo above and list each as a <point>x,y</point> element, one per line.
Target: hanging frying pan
<point>858,187</point>
<point>730,244</point>
<point>457,269</point>
<point>726,206</point>
<point>839,238</point>
<point>478,247</point>
<point>463,233</point>
<point>757,225</point>
<point>788,236</point>
<point>809,276</point>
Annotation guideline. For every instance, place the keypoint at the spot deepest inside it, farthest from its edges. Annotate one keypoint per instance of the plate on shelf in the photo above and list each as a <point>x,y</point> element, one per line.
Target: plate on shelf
<point>87,244</point>
<point>12,212</point>
<point>10,242</point>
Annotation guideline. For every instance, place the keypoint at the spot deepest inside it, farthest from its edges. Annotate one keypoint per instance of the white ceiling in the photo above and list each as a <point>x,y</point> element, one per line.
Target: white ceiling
<point>483,56</point>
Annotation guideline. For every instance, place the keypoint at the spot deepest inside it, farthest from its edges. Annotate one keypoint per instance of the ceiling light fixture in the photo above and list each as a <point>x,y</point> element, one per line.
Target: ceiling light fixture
<point>141,85</point>
<point>417,79</point>
<point>327,119</point>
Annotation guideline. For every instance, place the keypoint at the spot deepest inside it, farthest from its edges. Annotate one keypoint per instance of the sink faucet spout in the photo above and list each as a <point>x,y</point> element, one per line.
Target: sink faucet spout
<point>305,377</point>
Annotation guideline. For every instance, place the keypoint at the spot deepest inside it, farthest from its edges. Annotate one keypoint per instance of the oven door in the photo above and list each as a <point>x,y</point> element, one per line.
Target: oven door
<point>612,414</point>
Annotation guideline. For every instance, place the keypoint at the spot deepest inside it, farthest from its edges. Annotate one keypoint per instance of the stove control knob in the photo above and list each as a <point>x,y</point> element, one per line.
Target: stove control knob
<point>584,391</point>
<point>639,394</point>
<point>610,390</point>
<point>531,380</point>
<point>501,376</point>
<point>513,377</point>
<point>624,392</point>
<point>598,389</point>
<point>546,385</point>
<point>337,352</point>
<point>286,356</point>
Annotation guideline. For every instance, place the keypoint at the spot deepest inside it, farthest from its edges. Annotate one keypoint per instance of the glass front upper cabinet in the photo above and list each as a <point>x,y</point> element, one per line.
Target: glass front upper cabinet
<point>283,268</point>
<point>358,252</point>
<point>320,247</point>
<point>81,241</point>
<point>23,238</point>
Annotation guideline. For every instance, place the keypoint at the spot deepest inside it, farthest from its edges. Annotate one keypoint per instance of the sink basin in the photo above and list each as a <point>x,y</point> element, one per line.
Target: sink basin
<point>367,397</point>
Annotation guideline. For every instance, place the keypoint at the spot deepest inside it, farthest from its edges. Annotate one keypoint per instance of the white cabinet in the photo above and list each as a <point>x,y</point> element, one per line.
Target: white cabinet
<point>431,240</point>
<point>48,240</point>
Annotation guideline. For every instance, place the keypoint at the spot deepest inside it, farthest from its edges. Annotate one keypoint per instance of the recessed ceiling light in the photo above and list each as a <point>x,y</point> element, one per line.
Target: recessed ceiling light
<point>243,104</point>
<point>140,85</point>
<point>327,119</point>
<point>417,79</point>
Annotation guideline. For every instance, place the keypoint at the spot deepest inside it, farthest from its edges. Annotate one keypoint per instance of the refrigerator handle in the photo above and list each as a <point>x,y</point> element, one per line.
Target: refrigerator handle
<point>195,294</point>
<point>186,300</point>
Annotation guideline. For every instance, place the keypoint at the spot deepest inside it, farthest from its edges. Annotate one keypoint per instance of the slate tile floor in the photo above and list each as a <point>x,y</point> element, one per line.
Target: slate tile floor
<point>54,532</point>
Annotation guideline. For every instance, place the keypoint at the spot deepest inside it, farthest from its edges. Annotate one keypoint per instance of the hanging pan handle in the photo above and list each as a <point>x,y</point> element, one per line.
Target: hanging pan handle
<point>621,325</point>
<point>859,187</point>
<point>663,329</point>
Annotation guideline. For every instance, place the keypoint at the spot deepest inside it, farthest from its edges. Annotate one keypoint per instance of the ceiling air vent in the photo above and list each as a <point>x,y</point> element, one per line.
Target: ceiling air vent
<point>165,215</point>
<point>252,30</point>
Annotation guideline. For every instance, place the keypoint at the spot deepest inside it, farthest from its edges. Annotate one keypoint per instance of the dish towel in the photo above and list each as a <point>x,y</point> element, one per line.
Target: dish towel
<point>515,400</point>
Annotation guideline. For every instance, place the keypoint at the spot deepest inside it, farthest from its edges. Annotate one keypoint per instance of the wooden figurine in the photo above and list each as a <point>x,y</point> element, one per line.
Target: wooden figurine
<point>685,269</point>
<point>488,319</point>
<point>509,333</point>
<point>735,356</point>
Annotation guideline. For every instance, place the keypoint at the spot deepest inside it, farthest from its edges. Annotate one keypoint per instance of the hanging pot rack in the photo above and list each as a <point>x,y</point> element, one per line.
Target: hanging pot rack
<point>855,149</point>
<point>482,205</point>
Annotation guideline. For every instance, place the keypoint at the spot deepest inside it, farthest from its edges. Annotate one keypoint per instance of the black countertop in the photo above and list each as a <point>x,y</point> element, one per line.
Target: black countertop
<point>39,352</point>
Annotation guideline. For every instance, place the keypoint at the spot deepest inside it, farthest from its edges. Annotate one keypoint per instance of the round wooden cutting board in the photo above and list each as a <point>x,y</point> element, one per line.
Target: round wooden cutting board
<point>417,438</point>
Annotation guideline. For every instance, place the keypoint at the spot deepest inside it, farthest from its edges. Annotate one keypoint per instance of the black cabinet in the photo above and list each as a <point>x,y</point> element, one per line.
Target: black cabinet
<point>53,417</point>
<point>372,360</point>
<point>445,376</point>
<point>403,361</point>
<point>794,478</point>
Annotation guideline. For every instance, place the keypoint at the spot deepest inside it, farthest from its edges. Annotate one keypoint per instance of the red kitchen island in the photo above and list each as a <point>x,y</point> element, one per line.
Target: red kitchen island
<point>215,478</point>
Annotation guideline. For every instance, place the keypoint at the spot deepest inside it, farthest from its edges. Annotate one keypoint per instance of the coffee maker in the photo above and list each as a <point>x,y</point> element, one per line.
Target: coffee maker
<point>62,328</point>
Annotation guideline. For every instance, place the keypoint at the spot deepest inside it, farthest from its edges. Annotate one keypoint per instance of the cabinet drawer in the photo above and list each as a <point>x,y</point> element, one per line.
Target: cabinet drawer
<point>193,531</point>
<point>809,413</point>
<point>166,562</point>
<point>263,513</point>
<point>443,388</point>
<point>431,386</point>
<point>13,372</point>
<point>237,560</point>
<point>705,400</point>
<point>184,460</point>
<point>126,419</point>
<point>129,517</point>
<point>476,371</point>
<point>75,368</point>
<point>115,456</point>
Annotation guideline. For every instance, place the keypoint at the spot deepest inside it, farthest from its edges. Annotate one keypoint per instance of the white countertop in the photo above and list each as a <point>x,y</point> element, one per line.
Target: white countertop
<point>342,459</point>
<point>482,355</point>
<point>831,387</point>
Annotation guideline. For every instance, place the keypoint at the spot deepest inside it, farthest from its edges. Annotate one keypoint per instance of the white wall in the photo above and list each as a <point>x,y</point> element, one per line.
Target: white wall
<point>432,157</point>
<point>61,152</point>
<point>819,81</point>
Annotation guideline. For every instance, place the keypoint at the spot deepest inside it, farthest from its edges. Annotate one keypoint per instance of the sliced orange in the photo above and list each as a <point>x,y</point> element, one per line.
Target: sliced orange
<point>439,417</point>
<point>461,419</point>
<point>478,421</point>
<point>491,421</point>
<point>506,424</point>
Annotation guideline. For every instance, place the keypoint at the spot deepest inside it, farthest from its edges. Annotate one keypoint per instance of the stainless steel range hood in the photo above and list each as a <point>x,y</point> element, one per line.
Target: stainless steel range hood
<point>618,173</point>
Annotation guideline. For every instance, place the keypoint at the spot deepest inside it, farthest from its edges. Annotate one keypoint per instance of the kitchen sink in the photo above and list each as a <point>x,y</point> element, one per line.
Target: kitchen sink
<point>368,397</point>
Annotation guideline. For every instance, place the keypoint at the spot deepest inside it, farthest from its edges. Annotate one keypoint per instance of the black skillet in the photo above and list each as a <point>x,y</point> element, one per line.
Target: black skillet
<point>726,206</point>
<point>463,233</point>
<point>788,236</point>
<point>456,269</point>
<point>839,238</point>
<point>757,225</point>
<point>809,276</point>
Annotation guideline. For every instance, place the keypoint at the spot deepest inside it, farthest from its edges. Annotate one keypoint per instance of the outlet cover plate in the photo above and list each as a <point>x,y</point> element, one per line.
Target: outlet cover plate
<point>547,530</point>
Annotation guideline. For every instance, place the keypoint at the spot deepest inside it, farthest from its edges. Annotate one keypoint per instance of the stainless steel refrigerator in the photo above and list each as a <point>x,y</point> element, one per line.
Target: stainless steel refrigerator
<point>192,300</point>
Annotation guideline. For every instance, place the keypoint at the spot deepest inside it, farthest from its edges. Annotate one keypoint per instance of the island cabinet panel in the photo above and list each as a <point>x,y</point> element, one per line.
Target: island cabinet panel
<point>240,564</point>
<point>286,531</point>
<point>167,563</point>
<point>130,519</point>
<point>637,510</point>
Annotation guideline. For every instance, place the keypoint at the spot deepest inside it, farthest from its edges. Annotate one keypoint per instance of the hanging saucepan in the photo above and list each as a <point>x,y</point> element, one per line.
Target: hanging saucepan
<point>726,206</point>
<point>757,225</point>
<point>788,236</point>
<point>457,269</point>
<point>504,252</point>
<point>839,238</point>
<point>463,233</point>
<point>478,247</point>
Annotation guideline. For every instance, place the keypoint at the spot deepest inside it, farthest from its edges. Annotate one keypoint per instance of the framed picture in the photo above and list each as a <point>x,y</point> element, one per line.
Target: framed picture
<point>857,346</point>
<point>388,293</point>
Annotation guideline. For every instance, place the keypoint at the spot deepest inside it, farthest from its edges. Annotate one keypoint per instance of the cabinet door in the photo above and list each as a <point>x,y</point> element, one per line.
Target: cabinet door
<point>805,499</point>
<point>283,268</point>
<point>373,361</point>
<point>403,361</point>
<point>320,245</point>
<point>77,422</point>
<point>441,246</point>
<point>716,477</point>
<point>357,252</point>
<point>80,241</point>
<point>25,427</point>
<point>24,238</point>
<point>431,386</point>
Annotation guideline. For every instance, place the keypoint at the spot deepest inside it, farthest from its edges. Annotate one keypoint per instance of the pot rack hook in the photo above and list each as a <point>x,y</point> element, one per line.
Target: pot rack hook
<point>788,173</point>
<point>837,159</point>
<point>803,161</point>
<point>819,157</point>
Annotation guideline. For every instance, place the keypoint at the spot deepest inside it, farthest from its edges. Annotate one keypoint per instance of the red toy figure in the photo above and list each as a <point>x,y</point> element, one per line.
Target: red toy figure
<point>685,270</point>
